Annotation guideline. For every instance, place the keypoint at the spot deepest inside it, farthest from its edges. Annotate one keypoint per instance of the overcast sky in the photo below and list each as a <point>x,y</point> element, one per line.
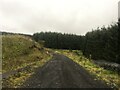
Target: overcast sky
<point>66,16</point>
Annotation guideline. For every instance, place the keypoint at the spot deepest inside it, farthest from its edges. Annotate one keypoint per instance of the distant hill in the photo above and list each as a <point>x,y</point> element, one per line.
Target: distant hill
<point>11,33</point>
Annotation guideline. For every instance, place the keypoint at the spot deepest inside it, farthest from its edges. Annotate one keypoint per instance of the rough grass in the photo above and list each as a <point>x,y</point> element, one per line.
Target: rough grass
<point>15,81</point>
<point>110,77</point>
<point>19,51</point>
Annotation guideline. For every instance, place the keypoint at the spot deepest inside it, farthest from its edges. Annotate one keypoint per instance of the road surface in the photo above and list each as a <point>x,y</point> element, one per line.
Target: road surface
<point>61,72</point>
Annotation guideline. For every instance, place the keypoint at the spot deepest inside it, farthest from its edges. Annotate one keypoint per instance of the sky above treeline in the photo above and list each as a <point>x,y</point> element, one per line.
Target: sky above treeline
<point>66,16</point>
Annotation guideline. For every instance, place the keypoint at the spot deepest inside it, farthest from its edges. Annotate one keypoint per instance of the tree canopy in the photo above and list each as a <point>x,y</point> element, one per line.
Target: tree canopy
<point>100,44</point>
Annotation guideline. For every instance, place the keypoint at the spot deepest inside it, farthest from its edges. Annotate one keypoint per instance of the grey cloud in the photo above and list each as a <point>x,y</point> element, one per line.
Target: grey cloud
<point>119,9</point>
<point>30,17</point>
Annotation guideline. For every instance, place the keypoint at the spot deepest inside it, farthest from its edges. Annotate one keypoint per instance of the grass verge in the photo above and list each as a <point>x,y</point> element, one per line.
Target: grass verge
<point>110,77</point>
<point>16,80</point>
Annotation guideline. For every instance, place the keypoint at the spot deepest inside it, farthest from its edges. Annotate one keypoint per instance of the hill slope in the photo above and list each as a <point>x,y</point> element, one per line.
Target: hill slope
<point>19,51</point>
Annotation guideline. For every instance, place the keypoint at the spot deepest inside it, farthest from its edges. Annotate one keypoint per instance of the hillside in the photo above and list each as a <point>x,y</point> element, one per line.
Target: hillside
<point>19,51</point>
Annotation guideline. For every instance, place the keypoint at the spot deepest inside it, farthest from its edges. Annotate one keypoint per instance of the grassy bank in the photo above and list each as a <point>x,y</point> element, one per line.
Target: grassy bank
<point>110,77</point>
<point>19,51</point>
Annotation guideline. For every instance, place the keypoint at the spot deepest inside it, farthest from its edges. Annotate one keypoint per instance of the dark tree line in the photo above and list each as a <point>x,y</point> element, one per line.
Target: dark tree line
<point>100,44</point>
<point>118,40</point>
<point>60,41</point>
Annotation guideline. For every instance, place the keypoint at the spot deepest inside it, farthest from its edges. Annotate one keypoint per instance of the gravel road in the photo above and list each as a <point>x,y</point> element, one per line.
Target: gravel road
<point>61,72</point>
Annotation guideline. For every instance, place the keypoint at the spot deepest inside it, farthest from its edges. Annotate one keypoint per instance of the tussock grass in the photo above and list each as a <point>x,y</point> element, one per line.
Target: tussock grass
<point>15,81</point>
<point>110,77</point>
<point>19,51</point>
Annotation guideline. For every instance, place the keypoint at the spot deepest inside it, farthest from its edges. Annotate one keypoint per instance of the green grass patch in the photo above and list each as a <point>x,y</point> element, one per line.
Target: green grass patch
<point>110,77</point>
<point>19,51</point>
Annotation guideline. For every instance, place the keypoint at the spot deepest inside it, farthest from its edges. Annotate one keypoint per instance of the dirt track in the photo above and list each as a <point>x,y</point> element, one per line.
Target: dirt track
<point>61,72</point>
